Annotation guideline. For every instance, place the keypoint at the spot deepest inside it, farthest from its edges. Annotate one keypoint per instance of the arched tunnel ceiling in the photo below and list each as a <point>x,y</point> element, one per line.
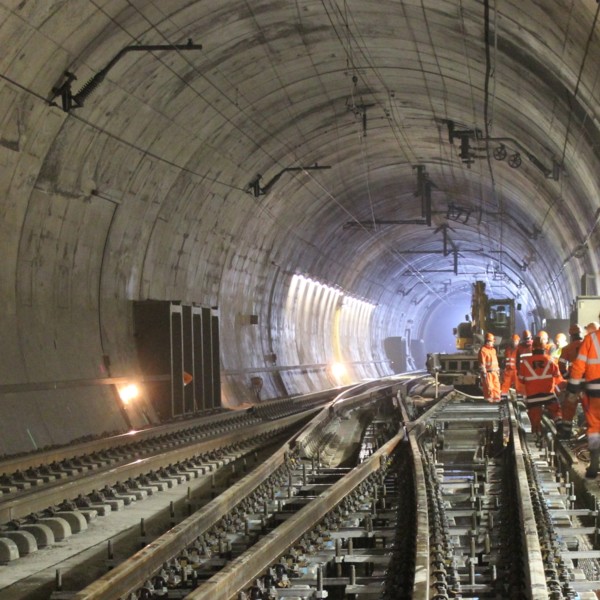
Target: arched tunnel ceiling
<point>185,142</point>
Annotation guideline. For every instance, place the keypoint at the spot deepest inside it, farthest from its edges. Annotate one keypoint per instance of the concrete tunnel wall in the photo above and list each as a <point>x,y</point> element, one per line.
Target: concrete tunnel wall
<point>144,192</point>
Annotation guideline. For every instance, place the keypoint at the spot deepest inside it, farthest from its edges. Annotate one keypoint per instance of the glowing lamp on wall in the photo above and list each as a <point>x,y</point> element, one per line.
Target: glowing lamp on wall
<point>338,370</point>
<point>128,393</point>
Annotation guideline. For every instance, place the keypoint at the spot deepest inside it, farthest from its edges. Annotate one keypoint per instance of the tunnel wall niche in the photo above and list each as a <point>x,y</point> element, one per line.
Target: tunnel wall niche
<point>396,351</point>
<point>175,341</point>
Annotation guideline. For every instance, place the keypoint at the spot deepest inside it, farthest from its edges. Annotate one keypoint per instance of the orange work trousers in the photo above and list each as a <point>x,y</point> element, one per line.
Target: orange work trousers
<point>510,380</point>
<point>490,383</point>
<point>569,409</point>
<point>535,414</point>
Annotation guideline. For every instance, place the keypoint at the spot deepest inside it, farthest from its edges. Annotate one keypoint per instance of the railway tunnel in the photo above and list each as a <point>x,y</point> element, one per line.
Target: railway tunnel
<point>310,188</point>
<point>323,177</point>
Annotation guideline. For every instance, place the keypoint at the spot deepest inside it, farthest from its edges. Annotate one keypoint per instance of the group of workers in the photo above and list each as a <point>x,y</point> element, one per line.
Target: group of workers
<point>541,371</point>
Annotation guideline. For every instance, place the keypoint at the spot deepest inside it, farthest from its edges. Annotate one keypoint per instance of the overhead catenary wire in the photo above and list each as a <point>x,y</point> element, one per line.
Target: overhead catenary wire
<point>145,151</point>
<point>487,119</point>
<point>578,83</point>
<point>229,99</point>
<point>122,140</point>
<point>306,172</point>
<point>403,144</point>
<point>566,140</point>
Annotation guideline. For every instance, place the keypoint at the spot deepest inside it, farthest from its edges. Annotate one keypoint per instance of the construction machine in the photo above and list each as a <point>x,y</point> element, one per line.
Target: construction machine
<point>488,315</point>
<point>493,315</point>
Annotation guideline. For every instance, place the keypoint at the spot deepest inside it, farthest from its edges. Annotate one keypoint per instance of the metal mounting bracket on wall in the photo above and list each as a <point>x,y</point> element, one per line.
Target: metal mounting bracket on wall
<point>255,188</point>
<point>448,248</point>
<point>423,191</point>
<point>469,153</point>
<point>70,101</point>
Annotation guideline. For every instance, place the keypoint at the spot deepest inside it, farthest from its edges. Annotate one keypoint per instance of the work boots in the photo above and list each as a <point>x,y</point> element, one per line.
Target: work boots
<point>592,471</point>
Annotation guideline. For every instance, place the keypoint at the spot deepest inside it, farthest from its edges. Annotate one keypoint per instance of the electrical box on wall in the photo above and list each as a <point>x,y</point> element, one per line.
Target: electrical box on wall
<point>586,310</point>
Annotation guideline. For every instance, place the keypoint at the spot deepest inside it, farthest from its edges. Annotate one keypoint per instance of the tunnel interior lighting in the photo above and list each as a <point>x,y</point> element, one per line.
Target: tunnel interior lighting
<point>338,370</point>
<point>129,392</point>
<point>344,295</point>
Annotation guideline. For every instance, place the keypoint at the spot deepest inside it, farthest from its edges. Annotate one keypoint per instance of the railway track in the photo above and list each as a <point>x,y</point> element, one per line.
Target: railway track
<point>246,512</point>
<point>386,493</point>
<point>46,497</point>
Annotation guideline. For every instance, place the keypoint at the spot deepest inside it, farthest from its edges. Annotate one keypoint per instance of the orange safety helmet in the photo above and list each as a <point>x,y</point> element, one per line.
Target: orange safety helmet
<point>543,334</point>
<point>526,335</point>
<point>489,337</point>
<point>516,338</point>
<point>537,343</point>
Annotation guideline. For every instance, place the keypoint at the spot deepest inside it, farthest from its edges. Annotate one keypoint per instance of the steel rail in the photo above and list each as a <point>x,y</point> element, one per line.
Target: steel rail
<point>422,554</point>
<point>344,401</point>
<point>35,459</point>
<point>241,571</point>
<point>57,492</point>
<point>125,578</point>
<point>533,564</point>
<point>129,575</point>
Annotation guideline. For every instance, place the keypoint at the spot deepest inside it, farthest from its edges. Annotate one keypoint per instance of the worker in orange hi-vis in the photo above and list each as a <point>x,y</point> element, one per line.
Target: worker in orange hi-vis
<point>523,350</point>
<point>567,356</point>
<point>489,369</point>
<point>509,378</point>
<point>585,376</point>
<point>569,353</point>
<point>549,347</point>
<point>540,375</point>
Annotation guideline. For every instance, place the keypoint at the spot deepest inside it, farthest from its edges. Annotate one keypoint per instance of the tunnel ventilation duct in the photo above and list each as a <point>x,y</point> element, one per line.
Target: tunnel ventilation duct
<point>70,101</point>
<point>471,149</point>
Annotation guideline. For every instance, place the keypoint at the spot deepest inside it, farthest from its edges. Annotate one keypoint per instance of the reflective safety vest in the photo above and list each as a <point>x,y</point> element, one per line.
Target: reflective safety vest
<point>510,358</point>
<point>488,360</point>
<point>568,355</point>
<point>540,375</point>
<point>523,350</point>
<point>586,367</point>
